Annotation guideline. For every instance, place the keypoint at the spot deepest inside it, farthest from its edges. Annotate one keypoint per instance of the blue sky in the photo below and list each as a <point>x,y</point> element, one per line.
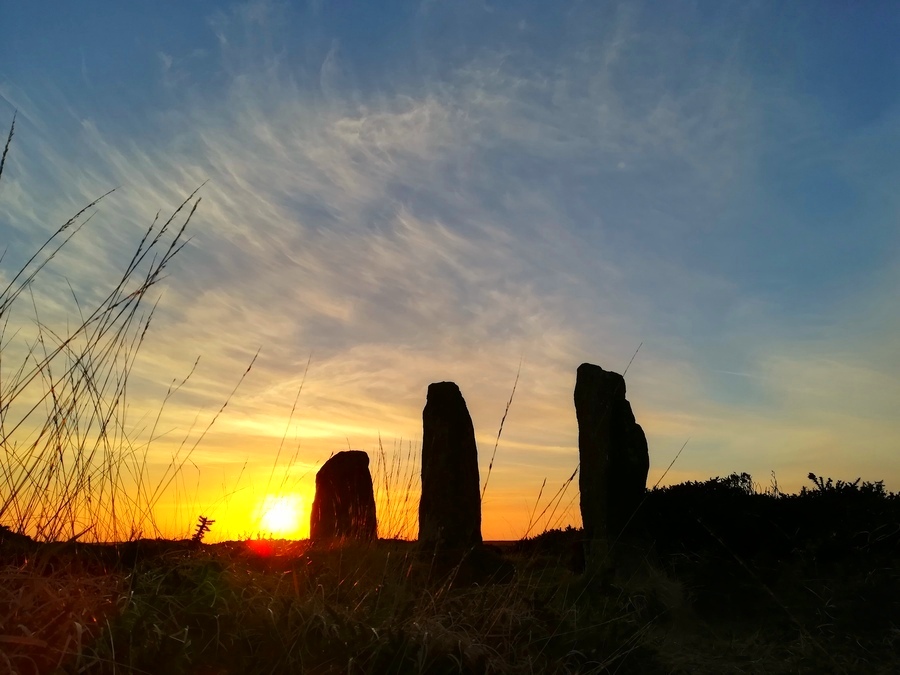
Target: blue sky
<point>411,192</point>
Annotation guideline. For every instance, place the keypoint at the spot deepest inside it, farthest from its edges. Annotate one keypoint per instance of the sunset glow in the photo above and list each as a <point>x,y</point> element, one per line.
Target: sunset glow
<point>281,516</point>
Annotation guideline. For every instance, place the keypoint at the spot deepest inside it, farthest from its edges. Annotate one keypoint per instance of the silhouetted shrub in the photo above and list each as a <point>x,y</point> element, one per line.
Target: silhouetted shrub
<point>731,517</point>
<point>551,540</point>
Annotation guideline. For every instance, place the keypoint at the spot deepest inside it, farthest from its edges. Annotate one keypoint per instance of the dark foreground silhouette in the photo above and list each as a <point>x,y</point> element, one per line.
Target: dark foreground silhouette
<point>710,577</point>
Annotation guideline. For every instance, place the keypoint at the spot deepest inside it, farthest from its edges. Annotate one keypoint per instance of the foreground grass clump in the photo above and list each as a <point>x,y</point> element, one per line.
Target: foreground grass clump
<point>174,607</point>
<point>724,596</point>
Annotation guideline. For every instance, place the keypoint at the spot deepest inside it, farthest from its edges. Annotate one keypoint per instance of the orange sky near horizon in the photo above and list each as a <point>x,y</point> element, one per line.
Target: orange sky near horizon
<point>514,505</point>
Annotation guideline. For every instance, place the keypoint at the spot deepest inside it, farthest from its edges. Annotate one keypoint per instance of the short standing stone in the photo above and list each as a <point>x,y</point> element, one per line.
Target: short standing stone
<point>613,452</point>
<point>344,506</point>
<point>450,508</point>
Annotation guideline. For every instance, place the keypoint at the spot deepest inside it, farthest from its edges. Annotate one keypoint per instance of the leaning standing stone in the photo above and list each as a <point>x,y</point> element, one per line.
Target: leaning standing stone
<point>344,506</point>
<point>613,452</point>
<point>450,508</point>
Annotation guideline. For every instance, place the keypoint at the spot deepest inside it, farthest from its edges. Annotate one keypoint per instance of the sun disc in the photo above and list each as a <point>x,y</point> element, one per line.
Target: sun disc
<point>281,514</point>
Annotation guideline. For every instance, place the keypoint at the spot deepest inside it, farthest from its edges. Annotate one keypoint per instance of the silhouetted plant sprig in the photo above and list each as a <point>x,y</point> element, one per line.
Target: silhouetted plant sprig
<point>203,526</point>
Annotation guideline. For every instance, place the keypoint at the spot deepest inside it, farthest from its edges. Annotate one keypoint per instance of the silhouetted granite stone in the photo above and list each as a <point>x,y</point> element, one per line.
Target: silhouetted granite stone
<point>344,506</point>
<point>613,452</point>
<point>450,508</point>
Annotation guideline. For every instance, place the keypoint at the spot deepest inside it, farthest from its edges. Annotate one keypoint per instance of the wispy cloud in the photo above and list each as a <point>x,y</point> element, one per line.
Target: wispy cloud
<point>556,207</point>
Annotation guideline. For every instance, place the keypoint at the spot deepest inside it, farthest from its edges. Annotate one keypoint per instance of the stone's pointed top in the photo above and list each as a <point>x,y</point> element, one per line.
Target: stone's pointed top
<point>444,389</point>
<point>593,368</point>
<point>588,372</point>
<point>348,457</point>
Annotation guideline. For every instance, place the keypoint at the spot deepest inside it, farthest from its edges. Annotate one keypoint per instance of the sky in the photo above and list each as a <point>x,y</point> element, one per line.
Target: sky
<point>400,193</point>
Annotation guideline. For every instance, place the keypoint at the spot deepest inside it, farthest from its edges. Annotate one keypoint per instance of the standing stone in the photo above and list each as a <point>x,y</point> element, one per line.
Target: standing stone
<point>613,452</point>
<point>450,508</point>
<point>344,506</point>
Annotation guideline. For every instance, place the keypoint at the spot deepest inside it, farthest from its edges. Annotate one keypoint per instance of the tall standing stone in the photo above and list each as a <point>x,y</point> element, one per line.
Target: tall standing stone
<point>613,452</point>
<point>450,508</point>
<point>344,505</point>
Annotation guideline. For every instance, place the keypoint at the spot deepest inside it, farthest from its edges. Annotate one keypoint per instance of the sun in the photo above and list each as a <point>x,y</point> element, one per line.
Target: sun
<point>280,515</point>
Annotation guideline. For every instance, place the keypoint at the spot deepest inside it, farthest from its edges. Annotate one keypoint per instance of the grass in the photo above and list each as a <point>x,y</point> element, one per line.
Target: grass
<point>719,605</point>
<point>69,467</point>
<point>715,577</point>
<point>376,609</point>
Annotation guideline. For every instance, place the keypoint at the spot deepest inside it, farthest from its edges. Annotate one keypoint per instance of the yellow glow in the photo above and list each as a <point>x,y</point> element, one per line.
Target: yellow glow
<point>281,515</point>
